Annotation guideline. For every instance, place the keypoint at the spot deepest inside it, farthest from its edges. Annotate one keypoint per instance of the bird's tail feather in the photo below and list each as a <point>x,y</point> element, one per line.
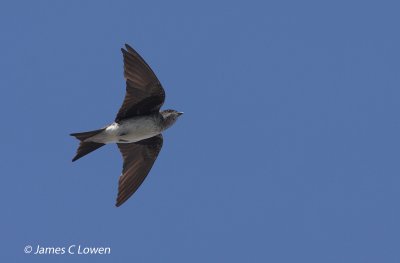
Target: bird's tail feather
<point>85,135</point>
<point>86,147</point>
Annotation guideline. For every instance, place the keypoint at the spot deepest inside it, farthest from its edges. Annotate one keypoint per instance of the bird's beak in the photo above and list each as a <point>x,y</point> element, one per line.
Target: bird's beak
<point>180,113</point>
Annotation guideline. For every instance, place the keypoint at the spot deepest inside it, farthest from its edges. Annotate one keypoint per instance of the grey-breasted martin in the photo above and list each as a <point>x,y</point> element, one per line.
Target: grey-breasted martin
<point>137,127</point>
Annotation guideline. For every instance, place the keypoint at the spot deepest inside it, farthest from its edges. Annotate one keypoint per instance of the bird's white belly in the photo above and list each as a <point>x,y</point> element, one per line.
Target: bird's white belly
<point>128,131</point>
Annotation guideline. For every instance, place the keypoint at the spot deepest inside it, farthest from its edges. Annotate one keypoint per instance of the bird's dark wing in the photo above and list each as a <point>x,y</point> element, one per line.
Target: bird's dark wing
<point>144,93</point>
<point>138,158</point>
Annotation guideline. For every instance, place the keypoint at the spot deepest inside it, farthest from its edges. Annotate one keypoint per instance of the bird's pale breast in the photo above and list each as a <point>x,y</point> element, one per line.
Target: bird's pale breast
<point>130,130</point>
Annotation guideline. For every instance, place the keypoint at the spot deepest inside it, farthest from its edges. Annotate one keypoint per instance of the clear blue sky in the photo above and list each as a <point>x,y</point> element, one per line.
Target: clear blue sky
<point>288,150</point>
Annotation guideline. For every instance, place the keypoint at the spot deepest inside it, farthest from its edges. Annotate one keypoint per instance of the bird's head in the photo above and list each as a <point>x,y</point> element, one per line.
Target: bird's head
<point>170,117</point>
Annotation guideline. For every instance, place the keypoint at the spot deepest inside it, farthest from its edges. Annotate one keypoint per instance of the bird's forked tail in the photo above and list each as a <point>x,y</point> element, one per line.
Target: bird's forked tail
<point>86,147</point>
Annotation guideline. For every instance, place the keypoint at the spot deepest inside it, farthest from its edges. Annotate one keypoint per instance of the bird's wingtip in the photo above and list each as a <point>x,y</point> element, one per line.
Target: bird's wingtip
<point>129,48</point>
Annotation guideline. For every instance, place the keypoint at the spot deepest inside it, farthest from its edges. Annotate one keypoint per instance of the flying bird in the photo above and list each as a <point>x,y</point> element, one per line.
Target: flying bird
<point>137,127</point>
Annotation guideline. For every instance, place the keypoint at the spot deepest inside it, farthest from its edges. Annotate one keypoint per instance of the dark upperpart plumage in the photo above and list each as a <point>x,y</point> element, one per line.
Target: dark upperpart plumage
<point>144,92</point>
